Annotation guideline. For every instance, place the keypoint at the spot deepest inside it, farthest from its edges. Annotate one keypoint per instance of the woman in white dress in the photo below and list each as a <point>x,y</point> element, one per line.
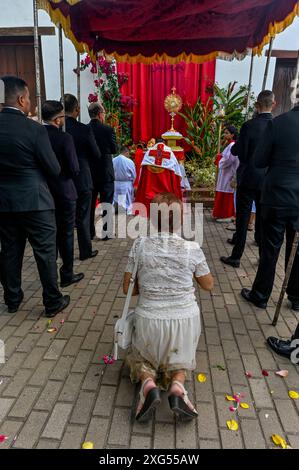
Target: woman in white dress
<point>167,323</point>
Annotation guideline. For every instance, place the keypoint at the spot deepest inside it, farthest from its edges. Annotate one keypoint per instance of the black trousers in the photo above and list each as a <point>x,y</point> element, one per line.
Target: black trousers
<point>106,193</point>
<point>276,223</point>
<point>65,221</point>
<point>296,334</point>
<point>39,228</point>
<point>83,223</point>
<point>244,200</point>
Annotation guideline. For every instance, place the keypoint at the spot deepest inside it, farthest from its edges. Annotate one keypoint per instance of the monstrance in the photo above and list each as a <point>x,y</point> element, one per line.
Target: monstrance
<point>173,104</point>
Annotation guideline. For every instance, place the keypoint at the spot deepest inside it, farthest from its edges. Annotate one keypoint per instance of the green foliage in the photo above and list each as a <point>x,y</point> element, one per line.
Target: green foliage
<point>205,125</point>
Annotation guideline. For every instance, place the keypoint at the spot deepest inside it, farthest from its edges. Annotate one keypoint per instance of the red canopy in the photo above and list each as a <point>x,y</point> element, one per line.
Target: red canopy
<point>173,30</point>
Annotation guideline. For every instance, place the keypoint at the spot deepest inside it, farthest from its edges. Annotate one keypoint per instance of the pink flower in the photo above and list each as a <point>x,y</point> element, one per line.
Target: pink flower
<point>87,60</point>
<point>93,69</point>
<point>92,98</point>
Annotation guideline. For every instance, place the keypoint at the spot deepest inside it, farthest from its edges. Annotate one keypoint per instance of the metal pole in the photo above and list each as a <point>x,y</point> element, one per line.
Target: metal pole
<point>249,85</point>
<point>267,64</point>
<point>61,67</point>
<point>37,62</point>
<point>287,277</point>
<point>79,83</point>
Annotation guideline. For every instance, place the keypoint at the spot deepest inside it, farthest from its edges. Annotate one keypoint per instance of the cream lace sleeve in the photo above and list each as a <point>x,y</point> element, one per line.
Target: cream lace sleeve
<point>201,265</point>
<point>132,256</point>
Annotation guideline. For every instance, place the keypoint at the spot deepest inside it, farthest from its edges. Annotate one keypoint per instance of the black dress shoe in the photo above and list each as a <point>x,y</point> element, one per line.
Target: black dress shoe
<point>76,278</point>
<point>235,263</point>
<point>246,294</point>
<point>231,241</point>
<point>294,303</point>
<point>65,301</point>
<point>281,347</point>
<point>13,308</point>
<point>92,255</point>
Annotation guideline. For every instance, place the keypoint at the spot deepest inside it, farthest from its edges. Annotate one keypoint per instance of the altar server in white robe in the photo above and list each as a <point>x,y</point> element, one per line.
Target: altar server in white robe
<point>125,175</point>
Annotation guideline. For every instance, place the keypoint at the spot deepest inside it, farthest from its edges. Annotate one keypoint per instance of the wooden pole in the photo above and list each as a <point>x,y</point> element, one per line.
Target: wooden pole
<point>79,83</point>
<point>294,85</point>
<point>287,277</point>
<point>249,85</point>
<point>267,64</point>
<point>61,67</point>
<point>37,62</point>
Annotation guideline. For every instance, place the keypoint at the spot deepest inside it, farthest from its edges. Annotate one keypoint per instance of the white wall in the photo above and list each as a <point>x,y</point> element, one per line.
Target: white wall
<point>239,70</point>
<point>18,13</point>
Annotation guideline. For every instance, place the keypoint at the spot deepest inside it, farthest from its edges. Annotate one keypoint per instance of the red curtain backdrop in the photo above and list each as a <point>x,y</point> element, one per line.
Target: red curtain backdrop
<point>150,84</point>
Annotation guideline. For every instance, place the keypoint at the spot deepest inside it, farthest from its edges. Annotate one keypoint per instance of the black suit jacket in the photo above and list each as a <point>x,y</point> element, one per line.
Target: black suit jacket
<point>251,132</point>
<point>87,151</point>
<point>26,160</point>
<point>279,153</point>
<point>63,187</point>
<point>103,172</point>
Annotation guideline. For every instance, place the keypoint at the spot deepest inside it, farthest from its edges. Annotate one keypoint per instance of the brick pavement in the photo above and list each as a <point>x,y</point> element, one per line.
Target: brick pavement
<point>57,393</point>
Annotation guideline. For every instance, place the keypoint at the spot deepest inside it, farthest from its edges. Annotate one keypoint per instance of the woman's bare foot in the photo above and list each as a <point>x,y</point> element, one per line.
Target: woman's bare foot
<point>146,386</point>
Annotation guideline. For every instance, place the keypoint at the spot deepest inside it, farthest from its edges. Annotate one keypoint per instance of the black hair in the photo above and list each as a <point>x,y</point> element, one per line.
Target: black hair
<point>13,88</point>
<point>124,149</point>
<point>70,103</point>
<point>233,130</point>
<point>50,109</point>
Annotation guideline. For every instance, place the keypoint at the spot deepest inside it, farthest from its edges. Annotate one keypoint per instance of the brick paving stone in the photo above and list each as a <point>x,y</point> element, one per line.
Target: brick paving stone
<point>33,359</point>
<point>73,346</point>
<point>231,440</point>
<point>105,400</point>
<point>252,433</point>
<point>24,403</point>
<point>164,436</point>
<point>13,364</point>
<point>270,424</point>
<point>55,350</point>
<point>73,437</point>
<point>17,383</point>
<point>62,368</point>
<point>288,415</point>
<point>9,429</point>
<point>57,421</point>
<point>141,442</point>
<point>209,444</point>
<point>82,361</point>
<point>97,432</point>
<point>120,427</point>
<point>82,410</point>
<point>30,433</point>
<point>71,388</point>
<point>27,343</point>
<point>48,396</point>
<point>93,377</point>
<point>186,437</point>
<point>91,341</point>
<point>207,422</point>
<point>5,405</point>
<point>46,444</point>
<point>42,373</point>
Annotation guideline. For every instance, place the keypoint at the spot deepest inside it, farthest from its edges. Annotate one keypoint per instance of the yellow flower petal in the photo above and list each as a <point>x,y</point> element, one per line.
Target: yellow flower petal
<point>279,441</point>
<point>244,405</point>
<point>87,445</point>
<point>201,378</point>
<point>293,394</point>
<point>229,398</point>
<point>232,425</point>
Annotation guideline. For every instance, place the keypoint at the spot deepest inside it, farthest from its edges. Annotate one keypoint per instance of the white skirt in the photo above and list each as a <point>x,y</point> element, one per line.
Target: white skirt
<point>168,343</point>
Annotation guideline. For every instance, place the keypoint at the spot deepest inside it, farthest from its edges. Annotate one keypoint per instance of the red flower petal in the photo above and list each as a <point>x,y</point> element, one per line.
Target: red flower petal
<point>265,373</point>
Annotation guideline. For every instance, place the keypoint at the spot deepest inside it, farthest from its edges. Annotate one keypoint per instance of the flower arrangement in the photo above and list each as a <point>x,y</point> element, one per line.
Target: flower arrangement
<point>108,84</point>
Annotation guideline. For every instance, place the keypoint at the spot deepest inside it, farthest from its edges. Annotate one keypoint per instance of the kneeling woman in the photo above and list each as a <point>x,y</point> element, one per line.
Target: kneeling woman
<point>168,326</point>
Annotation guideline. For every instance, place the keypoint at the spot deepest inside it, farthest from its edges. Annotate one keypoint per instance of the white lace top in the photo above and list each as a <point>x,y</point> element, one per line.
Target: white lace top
<point>166,267</point>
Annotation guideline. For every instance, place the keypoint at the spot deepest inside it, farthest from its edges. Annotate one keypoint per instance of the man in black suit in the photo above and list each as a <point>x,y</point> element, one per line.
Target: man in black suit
<point>88,153</point>
<point>63,189</point>
<point>27,208</point>
<point>287,348</point>
<point>249,178</point>
<point>102,172</point>
<point>278,151</point>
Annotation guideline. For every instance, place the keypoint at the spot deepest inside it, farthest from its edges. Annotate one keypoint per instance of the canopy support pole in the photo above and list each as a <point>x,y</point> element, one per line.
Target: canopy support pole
<point>79,83</point>
<point>61,67</point>
<point>267,63</point>
<point>37,62</point>
<point>249,85</point>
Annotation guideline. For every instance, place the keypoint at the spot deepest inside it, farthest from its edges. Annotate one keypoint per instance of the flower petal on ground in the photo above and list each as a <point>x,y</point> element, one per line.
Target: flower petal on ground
<point>229,398</point>
<point>52,330</point>
<point>282,373</point>
<point>265,373</point>
<point>248,374</point>
<point>294,395</point>
<point>2,438</point>
<point>202,378</point>
<point>279,441</point>
<point>87,445</point>
<point>245,406</point>
<point>232,425</point>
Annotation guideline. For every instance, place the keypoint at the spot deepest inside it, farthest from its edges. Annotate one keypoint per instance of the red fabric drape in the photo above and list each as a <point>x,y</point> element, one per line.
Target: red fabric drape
<point>150,84</point>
